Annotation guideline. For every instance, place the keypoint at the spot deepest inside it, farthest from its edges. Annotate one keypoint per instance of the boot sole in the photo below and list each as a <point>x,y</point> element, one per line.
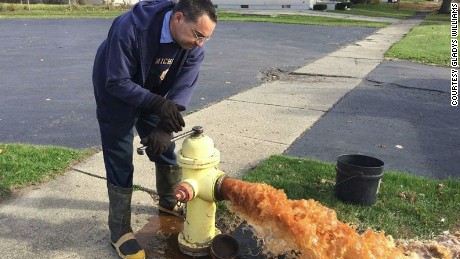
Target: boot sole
<point>128,236</point>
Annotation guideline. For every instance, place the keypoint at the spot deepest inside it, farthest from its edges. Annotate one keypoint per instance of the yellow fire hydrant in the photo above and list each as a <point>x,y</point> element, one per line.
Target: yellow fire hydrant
<point>199,189</point>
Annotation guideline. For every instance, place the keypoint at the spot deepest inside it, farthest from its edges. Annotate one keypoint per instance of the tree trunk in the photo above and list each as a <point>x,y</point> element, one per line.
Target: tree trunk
<point>445,7</point>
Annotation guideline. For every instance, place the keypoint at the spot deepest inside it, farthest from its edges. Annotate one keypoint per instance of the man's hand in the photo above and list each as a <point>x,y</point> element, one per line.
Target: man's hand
<point>157,141</point>
<point>169,113</point>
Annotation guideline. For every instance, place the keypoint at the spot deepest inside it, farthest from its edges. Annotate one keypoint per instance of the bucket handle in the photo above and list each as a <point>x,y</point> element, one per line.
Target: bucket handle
<point>349,178</point>
<point>360,174</point>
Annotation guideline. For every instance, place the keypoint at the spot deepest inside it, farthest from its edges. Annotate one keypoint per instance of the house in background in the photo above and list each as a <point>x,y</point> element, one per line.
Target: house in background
<point>247,4</point>
<point>263,4</point>
<point>224,4</point>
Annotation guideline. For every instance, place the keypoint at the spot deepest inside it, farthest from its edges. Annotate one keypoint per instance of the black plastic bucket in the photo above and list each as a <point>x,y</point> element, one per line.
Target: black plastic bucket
<point>358,179</point>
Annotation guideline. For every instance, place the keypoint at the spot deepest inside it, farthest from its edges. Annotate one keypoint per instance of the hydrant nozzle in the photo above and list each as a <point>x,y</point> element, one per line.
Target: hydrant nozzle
<point>184,192</point>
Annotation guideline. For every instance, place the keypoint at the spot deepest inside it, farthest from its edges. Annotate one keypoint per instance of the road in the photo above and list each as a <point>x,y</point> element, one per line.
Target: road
<point>46,64</point>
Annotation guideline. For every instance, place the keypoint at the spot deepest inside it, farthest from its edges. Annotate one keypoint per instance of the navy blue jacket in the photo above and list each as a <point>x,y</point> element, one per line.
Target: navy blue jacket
<point>123,62</point>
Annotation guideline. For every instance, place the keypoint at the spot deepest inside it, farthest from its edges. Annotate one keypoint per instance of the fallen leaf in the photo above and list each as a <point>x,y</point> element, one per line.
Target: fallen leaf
<point>402,195</point>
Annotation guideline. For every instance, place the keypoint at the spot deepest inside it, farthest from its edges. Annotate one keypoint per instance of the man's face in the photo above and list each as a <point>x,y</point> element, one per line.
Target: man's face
<point>188,34</point>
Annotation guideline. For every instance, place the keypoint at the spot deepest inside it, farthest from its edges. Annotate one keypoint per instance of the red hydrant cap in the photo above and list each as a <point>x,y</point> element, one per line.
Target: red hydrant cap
<point>184,192</point>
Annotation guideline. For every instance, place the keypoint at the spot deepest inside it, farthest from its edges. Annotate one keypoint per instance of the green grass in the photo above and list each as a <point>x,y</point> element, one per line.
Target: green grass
<point>429,207</point>
<point>297,19</point>
<point>428,43</point>
<point>377,10</point>
<point>60,11</point>
<point>103,11</point>
<point>22,165</point>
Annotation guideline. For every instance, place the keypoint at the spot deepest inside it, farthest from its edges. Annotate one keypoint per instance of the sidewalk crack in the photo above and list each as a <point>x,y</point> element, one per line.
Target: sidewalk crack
<point>325,75</point>
<point>277,105</point>
<point>265,140</point>
<point>408,87</point>
<point>269,104</point>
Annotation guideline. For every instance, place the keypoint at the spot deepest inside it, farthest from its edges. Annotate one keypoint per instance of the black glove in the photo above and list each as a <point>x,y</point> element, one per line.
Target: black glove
<point>169,113</point>
<point>157,141</point>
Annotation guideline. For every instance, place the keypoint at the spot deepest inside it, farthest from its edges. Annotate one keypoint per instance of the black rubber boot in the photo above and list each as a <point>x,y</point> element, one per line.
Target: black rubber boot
<point>167,176</point>
<point>121,233</point>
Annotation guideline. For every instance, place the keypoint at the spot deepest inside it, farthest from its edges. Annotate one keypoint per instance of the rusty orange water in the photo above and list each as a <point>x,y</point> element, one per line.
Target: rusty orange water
<point>159,237</point>
<point>303,226</point>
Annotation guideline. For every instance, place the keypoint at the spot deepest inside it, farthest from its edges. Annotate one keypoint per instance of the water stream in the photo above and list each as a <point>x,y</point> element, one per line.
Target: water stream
<point>302,228</point>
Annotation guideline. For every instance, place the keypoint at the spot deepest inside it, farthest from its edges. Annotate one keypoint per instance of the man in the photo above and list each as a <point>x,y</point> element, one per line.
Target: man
<point>144,75</point>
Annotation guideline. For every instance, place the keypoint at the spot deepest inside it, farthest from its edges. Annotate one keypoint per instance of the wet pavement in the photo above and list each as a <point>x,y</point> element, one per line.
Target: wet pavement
<point>159,237</point>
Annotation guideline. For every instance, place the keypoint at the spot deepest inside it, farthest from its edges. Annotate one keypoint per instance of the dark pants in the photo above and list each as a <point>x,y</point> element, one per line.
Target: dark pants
<point>117,147</point>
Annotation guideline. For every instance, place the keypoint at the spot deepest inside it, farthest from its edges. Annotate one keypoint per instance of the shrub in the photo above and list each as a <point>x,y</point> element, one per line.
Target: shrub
<point>361,1</point>
<point>319,7</point>
<point>8,8</point>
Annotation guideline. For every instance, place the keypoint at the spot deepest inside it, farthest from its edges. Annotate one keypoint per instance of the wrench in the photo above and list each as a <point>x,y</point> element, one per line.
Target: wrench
<point>196,130</point>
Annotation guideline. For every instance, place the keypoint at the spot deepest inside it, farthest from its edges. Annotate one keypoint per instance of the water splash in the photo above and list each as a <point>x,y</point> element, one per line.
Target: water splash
<point>303,228</point>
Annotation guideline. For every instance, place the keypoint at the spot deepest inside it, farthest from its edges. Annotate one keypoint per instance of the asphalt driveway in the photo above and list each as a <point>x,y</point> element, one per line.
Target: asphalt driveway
<point>400,114</point>
<point>46,64</point>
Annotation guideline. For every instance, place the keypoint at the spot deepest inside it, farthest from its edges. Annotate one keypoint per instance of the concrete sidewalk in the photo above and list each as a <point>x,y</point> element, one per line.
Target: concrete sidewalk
<point>66,217</point>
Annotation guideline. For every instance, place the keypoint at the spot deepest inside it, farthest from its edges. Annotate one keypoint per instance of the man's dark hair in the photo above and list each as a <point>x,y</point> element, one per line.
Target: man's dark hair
<point>194,9</point>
